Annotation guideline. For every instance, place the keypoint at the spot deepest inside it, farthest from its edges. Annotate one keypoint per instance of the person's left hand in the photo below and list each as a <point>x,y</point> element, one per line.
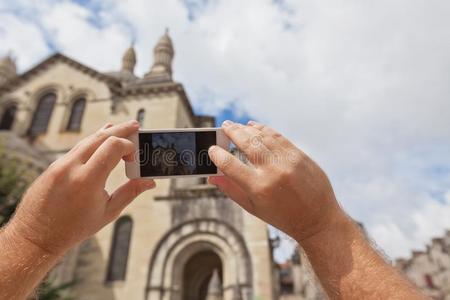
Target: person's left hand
<point>68,202</point>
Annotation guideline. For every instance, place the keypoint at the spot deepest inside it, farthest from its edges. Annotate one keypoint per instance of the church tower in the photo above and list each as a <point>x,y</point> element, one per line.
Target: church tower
<point>163,57</point>
<point>129,60</point>
<point>8,69</point>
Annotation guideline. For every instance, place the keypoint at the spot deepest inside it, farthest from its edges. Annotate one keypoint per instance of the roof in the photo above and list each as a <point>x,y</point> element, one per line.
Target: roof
<point>113,83</point>
<point>117,85</point>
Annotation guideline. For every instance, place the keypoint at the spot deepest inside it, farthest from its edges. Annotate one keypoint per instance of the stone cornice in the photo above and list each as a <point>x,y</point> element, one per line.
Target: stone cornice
<point>143,88</point>
<point>194,193</point>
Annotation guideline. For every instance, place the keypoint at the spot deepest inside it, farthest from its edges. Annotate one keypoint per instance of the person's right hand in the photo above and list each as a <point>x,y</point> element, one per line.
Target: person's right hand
<point>282,186</point>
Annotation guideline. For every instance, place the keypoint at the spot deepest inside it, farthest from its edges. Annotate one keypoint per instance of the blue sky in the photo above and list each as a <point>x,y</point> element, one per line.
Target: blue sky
<point>361,86</point>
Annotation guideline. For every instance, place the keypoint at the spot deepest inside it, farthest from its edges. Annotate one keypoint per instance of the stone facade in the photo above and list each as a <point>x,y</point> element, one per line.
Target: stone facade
<point>178,234</point>
<point>430,269</point>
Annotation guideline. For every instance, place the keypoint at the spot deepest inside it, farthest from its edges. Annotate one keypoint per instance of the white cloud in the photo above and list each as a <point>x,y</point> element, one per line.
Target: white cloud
<point>415,230</point>
<point>360,85</point>
<point>16,35</point>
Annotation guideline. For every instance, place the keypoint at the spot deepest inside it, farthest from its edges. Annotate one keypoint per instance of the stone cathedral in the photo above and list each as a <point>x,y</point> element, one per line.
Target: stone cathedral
<point>183,240</point>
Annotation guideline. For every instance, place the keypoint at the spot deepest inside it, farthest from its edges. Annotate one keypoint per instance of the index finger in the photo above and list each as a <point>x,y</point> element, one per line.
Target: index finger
<point>90,144</point>
<point>107,156</point>
<point>232,167</point>
<point>248,140</point>
<point>272,139</point>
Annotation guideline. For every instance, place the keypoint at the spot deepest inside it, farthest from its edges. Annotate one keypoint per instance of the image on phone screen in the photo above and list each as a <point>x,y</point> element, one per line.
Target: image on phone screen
<point>176,153</point>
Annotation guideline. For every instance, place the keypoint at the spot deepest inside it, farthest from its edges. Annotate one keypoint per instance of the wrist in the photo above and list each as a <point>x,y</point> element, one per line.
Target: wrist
<point>337,226</point>
<point>22,260</point>
<point>18,236</point>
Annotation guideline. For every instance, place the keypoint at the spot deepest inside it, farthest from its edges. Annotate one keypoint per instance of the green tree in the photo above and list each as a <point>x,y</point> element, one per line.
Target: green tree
<point>50,291</point>
<point>12,186</point>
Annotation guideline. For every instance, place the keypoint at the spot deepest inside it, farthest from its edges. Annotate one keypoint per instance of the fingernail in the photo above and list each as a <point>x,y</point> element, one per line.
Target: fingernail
<point>212,148</point>
<point>251,123</point>
<point>226,123</point>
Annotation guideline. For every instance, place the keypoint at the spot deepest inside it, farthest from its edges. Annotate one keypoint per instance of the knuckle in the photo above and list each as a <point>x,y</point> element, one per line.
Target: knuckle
<point>101,135</point>
<point>276,135</point>
<point>262,189</point>
<point>245,145</point>
<point>77,179</point>
<point>296,159</point>
<point>56,170</point>
<point>275,158</point>
<point>233,127</point>
<point>257,140</point>
<point>261,127</point>
<point>128,144</point>
<point>285,174</point>
<point>114,141</point>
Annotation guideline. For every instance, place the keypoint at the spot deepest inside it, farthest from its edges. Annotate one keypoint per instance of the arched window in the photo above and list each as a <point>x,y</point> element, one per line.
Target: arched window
<point>42,114</point>
<point>118,258</point>
<point>140,116</point>
<point>8,117</point>
<point>76,114</point>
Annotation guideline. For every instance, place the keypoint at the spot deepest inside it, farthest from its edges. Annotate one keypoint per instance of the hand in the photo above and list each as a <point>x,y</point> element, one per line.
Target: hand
<point>282,186</point>
<point>68,202</point>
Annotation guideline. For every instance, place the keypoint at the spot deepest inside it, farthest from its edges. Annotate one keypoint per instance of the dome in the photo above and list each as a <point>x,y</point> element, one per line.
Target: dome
<point>164,41</point>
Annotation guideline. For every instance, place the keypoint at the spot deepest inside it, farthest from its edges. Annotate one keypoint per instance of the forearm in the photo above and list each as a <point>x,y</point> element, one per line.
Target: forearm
<point>349,268</point>
<point>23,265</point>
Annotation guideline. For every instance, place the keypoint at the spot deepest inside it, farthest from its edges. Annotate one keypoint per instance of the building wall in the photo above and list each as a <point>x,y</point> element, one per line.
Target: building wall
<point>430,269</point>
<point>67,83</point>
<point>152,219</point>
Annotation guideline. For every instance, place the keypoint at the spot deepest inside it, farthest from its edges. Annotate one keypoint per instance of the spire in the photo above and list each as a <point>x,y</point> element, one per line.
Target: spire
<point>129,59</point>
<point>214,287</point>
<point>8,69</point>
<point>163,57</point>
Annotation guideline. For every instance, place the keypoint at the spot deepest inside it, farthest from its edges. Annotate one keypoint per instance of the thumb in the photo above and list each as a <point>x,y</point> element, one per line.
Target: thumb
<point>126,193</point>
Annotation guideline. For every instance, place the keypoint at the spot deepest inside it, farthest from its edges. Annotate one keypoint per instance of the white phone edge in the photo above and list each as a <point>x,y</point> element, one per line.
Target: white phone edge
<point>132,169</point>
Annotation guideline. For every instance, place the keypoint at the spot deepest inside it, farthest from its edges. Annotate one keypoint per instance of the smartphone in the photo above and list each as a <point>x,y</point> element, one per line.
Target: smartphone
<point>169,153</point>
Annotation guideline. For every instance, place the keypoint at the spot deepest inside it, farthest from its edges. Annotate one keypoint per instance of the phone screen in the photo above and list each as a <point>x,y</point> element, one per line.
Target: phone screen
<point>176,153</point>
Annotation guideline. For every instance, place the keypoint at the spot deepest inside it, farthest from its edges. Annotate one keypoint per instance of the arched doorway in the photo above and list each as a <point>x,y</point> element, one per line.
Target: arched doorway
<point>181,249</point>
<point>197,275</point>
